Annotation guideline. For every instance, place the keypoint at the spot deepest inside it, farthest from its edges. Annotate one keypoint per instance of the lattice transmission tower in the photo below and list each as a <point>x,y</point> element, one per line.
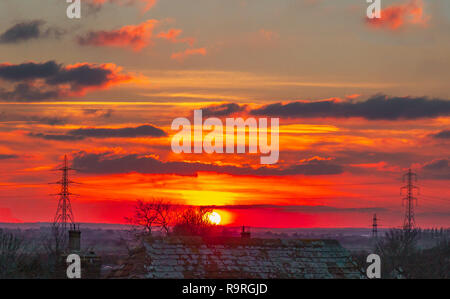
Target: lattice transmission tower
<point>409,200</point>
<point>374,226</point>
<point>64,214</point>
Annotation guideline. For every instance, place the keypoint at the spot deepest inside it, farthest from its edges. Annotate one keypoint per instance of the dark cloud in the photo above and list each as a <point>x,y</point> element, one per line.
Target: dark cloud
<point>437,169</point>
<point>48,120</point>
<point>223,109</point>
<point>106,113</point>
<point>79,134</point>
<point>444,134</point>
<point>52,121</point>
<point>28,30</point>
<point>356,157</point>
<point>437,165</point>
<point>302,208</point>
<point>57,137</point>
<point>314,167</point>
<point>400,159</point>
<point>29,71</point>
<point>22,32</point>
<point>434,214</point>
<point>94,6</point>
<point>6,156</point>
<point>141,131</point>
<point>313,209</point>
<point>107,163</point>
<point>49,80</point>
<point>378,107</point>
<point>81,76</point>
<point>27,92</point>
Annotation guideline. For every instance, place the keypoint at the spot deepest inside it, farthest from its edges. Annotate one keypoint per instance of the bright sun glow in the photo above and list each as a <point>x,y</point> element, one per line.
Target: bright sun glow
<point>214,218</point>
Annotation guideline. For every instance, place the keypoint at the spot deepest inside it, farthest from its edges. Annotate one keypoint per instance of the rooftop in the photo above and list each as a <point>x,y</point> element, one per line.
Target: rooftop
<point>220,257</point>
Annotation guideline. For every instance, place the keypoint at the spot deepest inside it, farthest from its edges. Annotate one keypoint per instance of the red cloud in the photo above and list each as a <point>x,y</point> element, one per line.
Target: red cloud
<point>134,36</point>
<point>172,36</point>
<point>180,56</point>
<point>397,16</point>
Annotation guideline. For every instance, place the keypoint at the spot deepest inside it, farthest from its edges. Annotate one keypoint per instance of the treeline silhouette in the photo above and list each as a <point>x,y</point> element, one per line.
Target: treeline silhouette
<point>21,259</point>
<point>402,258</point>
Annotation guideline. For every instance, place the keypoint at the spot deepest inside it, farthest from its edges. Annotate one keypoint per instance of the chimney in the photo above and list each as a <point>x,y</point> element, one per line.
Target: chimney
<point>245,234</point>
<point>74,239</point>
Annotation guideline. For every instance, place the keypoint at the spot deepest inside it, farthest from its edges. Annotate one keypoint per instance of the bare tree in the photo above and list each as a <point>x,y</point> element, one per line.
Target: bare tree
<point>18,259</point>
<point>148,215</point>
<point>11,253</point>
<point>161,214</point>
<point>401,257</point>
<point>166,214</point>
<point>397,250</point>
<point>194,221</point>
<point>56,241</point>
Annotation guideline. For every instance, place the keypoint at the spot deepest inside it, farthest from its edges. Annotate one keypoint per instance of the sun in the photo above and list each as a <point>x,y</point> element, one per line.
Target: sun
<point>214,218</point>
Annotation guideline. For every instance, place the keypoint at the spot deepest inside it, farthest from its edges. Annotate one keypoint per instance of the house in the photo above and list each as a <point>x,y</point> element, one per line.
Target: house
<point>90,262</point>
<point>231,257</point>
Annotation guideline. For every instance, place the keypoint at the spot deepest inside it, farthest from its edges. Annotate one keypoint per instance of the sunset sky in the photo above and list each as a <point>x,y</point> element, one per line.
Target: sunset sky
<point>360,101</point>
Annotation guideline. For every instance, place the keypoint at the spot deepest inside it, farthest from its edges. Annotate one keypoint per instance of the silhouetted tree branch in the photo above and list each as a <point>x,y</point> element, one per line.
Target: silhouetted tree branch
<point>194,221</point>
<point>156,213</point>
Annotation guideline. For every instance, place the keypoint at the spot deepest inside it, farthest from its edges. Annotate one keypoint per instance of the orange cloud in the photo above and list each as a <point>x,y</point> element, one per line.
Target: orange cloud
<point>180,56</point>
<point>172,36</point>
<point>268,35</point>
<point>397,16</point>
<point>134,36</point>
<point>352,96</point>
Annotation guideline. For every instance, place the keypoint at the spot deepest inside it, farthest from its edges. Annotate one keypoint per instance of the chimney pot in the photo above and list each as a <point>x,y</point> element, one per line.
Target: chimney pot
<point>74,240</point>
<point>245,234</point>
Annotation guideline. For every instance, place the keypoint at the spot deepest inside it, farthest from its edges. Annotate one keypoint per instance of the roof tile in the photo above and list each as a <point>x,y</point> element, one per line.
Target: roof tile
<point>195,257</point>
